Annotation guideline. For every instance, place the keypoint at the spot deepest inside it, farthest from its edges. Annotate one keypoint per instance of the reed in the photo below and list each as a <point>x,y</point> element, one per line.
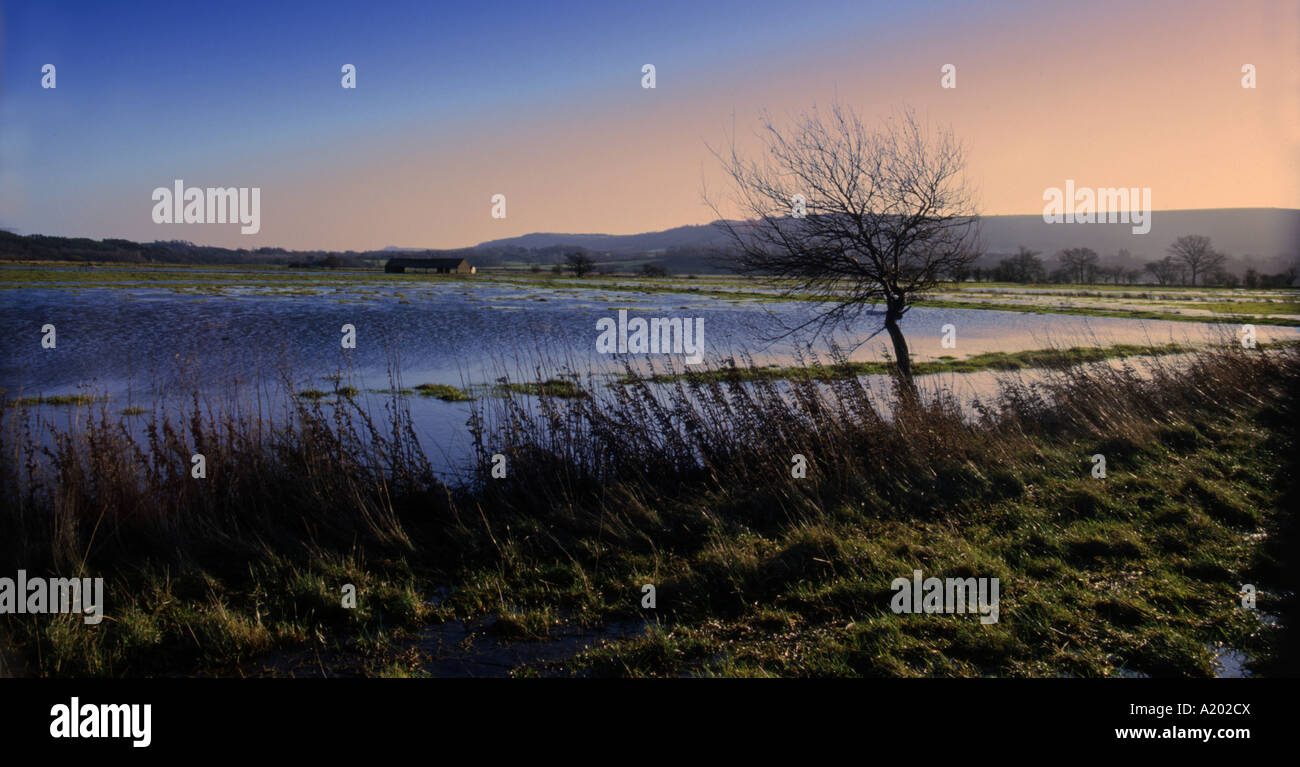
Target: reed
<point>685,484</point>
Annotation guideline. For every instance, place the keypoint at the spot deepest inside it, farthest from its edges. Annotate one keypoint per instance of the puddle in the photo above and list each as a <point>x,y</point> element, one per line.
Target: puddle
<point>457,649</point>
<point>1230,663</point>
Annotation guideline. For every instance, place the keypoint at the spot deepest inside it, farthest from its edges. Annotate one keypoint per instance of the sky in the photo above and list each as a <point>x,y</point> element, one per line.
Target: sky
<point>543,103</point>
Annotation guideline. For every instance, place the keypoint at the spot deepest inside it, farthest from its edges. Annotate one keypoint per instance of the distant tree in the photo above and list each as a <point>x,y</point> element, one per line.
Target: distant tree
<point>1024,266</point>
<point>1282,280</point>
<point>1252,279</point>
<point>653,270</point>
<point>1079,263</point>
<point>579,263</point>
<point>1119,266</point>
<point>1195,252</point>
<point>1165,270</point>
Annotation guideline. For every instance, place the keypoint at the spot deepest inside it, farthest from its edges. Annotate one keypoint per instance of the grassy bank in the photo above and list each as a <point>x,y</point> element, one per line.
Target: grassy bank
<point>689,488</point>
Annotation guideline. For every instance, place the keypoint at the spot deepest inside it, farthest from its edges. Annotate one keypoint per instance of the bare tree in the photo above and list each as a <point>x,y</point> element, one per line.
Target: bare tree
<point>1165,270</point>
<point>1024,266</point>
<point>1079,262</point>
<point>854,217</point>
<point>1195,252</point>
<point>579,263</point>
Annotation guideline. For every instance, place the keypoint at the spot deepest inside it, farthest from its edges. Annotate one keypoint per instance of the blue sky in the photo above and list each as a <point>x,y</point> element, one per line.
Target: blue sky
<point>149,80</point>
<point>541,99</point>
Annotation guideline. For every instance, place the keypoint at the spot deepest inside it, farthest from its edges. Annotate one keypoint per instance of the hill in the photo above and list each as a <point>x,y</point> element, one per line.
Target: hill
<point>1264,238</point>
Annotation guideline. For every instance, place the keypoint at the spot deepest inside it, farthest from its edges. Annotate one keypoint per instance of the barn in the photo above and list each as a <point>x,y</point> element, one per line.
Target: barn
<point>435,265</point>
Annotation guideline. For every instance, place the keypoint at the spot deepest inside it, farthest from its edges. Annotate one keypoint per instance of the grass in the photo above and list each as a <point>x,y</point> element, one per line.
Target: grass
<point>551,387</point>
<point>58,399</point>
<point>1000,361</point>
<point>444,392</point>
<point>1133,314</point>
<point>1250,307</point>
<point>687,487</point>
<point>218,280</point>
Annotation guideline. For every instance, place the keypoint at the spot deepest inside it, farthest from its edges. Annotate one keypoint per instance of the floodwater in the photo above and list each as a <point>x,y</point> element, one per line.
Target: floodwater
<point>140,344</point>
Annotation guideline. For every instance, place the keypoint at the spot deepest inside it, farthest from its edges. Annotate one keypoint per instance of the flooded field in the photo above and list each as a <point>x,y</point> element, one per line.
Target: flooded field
<point>139,337</point>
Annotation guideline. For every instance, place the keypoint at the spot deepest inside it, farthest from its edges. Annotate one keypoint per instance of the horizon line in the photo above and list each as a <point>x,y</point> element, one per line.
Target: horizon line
<point>481,243</point>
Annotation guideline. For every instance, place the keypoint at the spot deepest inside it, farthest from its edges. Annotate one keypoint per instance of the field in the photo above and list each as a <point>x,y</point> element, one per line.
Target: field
<point>624,477</point>
<point>1269,307</point>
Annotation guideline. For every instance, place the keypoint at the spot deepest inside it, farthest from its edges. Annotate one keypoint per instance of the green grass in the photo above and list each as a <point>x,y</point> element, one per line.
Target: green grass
<point>1133,314</point>
<point>1138,572</point>
<point>757,572</point>
<point>444,392</point>
<point>58,399</point>
<point>552,387</point>
<point>1249,307</point>
<point>206,622</point>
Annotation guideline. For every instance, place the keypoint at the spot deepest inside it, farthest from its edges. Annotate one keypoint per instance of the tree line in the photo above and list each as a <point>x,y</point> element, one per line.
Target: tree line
<point>1190,260</point>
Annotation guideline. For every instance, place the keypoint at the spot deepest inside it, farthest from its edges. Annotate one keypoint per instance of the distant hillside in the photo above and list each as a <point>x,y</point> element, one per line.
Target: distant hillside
<point>704,236</point>
<point>39,247</point>
<point>1267,238</point>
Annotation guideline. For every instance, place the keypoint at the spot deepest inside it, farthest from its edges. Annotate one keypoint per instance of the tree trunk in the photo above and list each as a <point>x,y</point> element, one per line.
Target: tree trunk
<point>893,313</point>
